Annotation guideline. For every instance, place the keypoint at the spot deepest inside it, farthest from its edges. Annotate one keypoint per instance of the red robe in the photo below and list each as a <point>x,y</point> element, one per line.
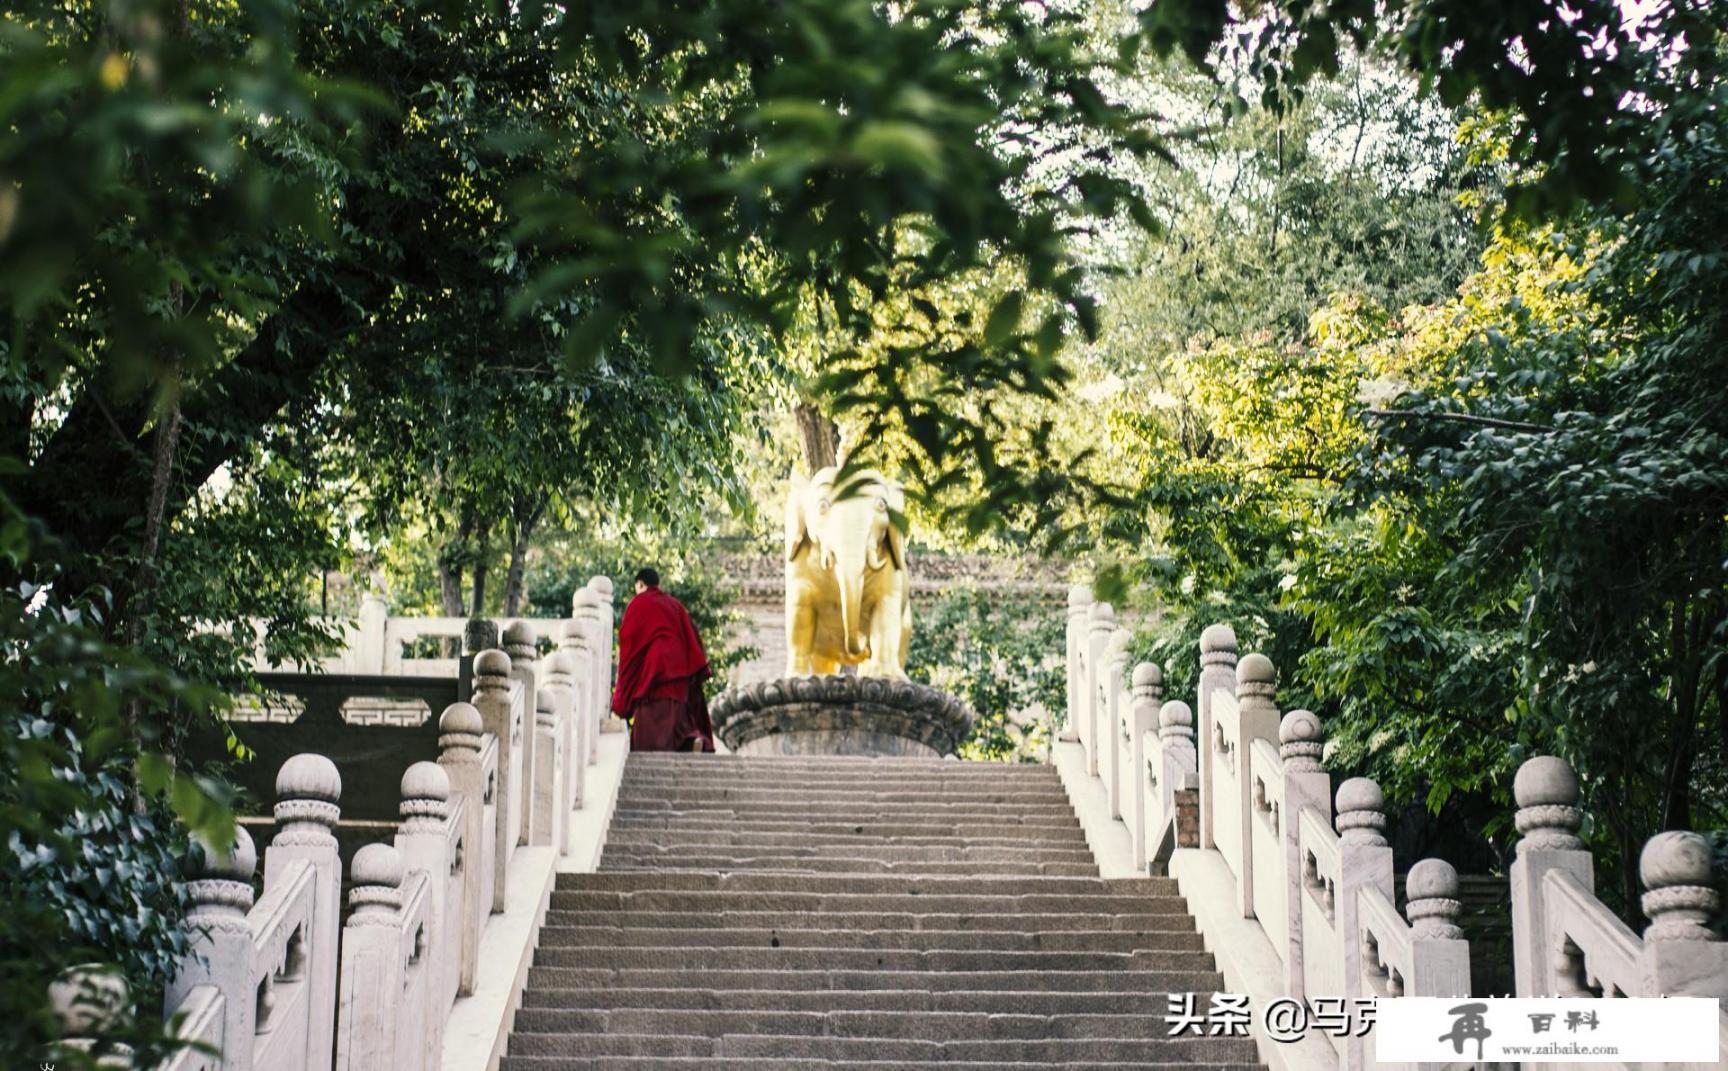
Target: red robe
<point>661,667</point>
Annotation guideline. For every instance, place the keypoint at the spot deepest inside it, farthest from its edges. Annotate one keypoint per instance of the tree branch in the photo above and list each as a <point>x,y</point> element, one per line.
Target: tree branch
<point>1462,418</point>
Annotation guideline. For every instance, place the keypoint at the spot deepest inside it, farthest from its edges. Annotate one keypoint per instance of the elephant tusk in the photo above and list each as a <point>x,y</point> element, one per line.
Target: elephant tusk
<point>874,558</point>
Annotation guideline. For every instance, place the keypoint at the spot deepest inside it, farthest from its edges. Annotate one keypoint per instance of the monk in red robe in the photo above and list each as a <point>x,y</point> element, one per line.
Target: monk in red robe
<point>661,667</point>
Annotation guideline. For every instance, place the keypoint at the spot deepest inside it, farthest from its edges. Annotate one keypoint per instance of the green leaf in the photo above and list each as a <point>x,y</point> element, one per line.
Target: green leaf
<point>1004,317</point>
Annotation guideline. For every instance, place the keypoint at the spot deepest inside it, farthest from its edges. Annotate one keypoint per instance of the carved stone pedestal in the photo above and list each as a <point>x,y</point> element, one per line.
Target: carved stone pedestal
<point>840,715</point>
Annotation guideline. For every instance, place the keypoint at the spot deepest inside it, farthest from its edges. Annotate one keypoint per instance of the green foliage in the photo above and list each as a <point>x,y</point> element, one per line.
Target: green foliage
<point>1598,90</point>
<point>1003,654</point>
<point>91,827</point>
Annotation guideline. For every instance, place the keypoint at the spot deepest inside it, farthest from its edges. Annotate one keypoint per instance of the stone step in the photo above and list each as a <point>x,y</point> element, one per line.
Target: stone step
<point>680,854</point>
<point>1000,1001</point>
<point>827,765</point>
<point>699,903</point>
<point>938,804</point>
<point>802,913</point>
<point>678,838</point>
<point>1001,826</point>
<point>601,936</point>
<point>988,792</point>
<point>787,921</point>
<point>883,850</point>
<point>550,979</point>
<point>952,813</point>
<point>858,959</point>
<point>1191,1051</point>
<point>1093,886</point>
<point>926,1026</point>
<point>853,866</point>
<point>733,778</point>
<point>756,1063</point>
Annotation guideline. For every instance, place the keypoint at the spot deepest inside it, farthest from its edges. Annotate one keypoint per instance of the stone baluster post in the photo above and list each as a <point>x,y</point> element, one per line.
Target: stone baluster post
<point>1307,787</point>
<point>561,685</point>
<point>92,1002</point>
<point>525,670</point>
<point>1256,684</point>
<point>478,635</point>
<point>1181,765</point>
<point>1439,954</point>
<point>1364,860</point>
<point>1548,818</point>
<point>602,587</point>
<point>1217,670</point>
<point>1115,683</point>
<point>546,825</point>
<point>605,627</point>
<point>1148,684</point>
<point>308,794</point>
<point>423,843</point>
<point>1098,631</point>
<point>372,967</point>
<point>1682,956</point>
<point>492,700</point>
<point>585,611</point>
<point>574,641</point>
<point>1079,614</point>
<point>220,943</point>
<point>459,729</point>
<point>369,655</point>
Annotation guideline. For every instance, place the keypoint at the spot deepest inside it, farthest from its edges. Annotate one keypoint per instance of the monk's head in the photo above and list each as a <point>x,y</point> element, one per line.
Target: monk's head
<point>647,577</point>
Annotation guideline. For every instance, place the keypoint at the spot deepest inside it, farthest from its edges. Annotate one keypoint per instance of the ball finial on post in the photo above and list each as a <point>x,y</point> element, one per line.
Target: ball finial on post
<point>1103,618</point>
<point>222,881</point>
<point>1361,812</point>
<point>519,642</point>
<point>377,873</point>
<point>491,670</point>
<point>460,728</point>
<point>1676,869</point>
<point>308,790</point>
<point>1433,908</point>
<point>1218,641</point>
<point>1176,725</point>
<point>1148,681</point>
<point>1079,599</point>
<point>1301,742</point>
<point>1548,815</point>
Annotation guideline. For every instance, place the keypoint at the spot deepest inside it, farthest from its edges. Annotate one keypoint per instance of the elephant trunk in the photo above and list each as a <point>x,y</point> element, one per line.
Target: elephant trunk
<point>849,575</point>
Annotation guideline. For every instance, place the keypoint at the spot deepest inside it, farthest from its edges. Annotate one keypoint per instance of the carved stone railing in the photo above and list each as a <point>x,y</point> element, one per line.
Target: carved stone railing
<point>278,984</point>
<point>1567,943</point>
<point>1318,886</point>
<point>377,643</point>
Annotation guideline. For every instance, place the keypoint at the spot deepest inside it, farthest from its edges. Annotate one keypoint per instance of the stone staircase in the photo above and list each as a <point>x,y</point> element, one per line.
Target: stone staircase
<point>884,914</point>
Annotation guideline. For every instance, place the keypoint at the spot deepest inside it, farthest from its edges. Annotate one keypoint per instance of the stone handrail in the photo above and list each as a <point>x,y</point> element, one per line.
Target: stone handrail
<point>1567,943</point>
<point>389,952</point>
<point>377,991</point>
<point>198,1029</point>
<point>374,640</point>
<point>1317,883</point>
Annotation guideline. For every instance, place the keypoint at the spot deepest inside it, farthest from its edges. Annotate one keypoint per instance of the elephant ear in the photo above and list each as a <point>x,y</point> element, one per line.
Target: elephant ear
<point>797,534</point>
<point>897,524</point>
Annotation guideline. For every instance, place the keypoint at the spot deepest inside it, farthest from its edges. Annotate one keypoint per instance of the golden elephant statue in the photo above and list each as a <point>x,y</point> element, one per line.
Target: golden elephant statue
<point>848,602</point>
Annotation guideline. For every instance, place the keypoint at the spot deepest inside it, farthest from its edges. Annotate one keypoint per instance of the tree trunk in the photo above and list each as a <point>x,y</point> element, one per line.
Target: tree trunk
<point>450,558</point>
<point>526,518</point>
<point>821,437</point>
<point>482,565</point>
